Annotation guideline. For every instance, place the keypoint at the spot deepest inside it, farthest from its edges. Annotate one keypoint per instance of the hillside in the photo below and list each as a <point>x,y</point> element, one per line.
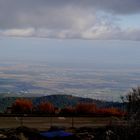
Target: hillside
<point>59,101</point>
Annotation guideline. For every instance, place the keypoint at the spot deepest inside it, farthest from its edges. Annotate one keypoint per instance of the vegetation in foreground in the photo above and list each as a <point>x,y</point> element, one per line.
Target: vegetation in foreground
<point>128,131</point>
<point>83,133</point>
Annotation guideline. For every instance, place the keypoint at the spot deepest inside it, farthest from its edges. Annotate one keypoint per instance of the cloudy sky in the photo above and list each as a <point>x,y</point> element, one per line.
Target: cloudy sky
<point>95,34</point>
<point>71,19</point>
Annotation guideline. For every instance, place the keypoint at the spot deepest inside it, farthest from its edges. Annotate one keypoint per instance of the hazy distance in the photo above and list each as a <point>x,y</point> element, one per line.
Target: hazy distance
<point>96,69</point>
<point>80,52</point>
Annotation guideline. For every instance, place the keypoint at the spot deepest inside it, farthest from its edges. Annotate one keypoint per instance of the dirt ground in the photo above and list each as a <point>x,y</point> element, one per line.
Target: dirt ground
<point>43,123</point>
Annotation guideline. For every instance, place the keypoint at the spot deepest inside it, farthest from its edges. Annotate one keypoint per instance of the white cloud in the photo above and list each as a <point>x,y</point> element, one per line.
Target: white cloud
<point>18,32</point>
<point>94,33</point>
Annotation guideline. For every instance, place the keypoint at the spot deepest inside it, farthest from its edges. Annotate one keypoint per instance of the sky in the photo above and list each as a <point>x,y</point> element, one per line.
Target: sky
<point>105,32</point>
<point>72,52</point>
<point>83,33</point>
<point>71,19</point>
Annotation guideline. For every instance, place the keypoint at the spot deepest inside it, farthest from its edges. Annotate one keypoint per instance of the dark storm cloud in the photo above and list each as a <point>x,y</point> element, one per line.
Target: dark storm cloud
<point>42,13</point>
<point>116,6</point>
<point>66,18</point>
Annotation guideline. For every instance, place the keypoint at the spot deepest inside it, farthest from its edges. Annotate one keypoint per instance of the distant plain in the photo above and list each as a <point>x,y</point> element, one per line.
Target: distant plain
<point>37,79</point>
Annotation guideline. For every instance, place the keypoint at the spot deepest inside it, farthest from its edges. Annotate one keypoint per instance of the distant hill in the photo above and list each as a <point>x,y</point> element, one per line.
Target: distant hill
<point>59,101</point>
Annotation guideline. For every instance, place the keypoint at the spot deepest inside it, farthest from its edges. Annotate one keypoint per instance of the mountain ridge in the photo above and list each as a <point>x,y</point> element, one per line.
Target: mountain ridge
<point>59,101</point>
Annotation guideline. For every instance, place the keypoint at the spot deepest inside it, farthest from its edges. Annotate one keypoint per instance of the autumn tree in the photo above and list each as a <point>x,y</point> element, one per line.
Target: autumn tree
<point>132,101</point>
<point>68,111</point>
<point>86,108</point>
<point>22,106</point>
<point>112,111</point>
<point>92,109</point>
<point>46,107</point>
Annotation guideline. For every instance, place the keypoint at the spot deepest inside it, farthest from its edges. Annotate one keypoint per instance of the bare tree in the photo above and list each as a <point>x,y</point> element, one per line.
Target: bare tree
<point>132,101</point>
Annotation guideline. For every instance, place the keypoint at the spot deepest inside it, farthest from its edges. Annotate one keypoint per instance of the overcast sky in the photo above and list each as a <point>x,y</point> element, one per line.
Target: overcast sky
<point>72,19</point>
<point>102,34</point>
<point>71,52</point>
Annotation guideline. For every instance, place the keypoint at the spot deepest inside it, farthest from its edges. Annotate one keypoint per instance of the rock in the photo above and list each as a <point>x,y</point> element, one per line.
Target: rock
<point>2,136</point>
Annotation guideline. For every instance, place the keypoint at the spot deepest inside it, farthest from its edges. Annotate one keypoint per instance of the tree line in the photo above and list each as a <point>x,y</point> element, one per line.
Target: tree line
<point>25,106</point>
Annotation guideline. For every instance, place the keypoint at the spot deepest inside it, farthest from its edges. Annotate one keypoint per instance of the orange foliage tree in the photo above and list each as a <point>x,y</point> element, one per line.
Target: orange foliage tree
<point>92,109</point>
<point>111,112</point>
<point>22,106</point>
<point>86,108</point>
<point>68,111</point>
<point>46,107</point>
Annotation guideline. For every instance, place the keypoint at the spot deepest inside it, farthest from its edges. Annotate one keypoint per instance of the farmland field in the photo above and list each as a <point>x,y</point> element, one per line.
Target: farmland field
<point>43,79</point>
